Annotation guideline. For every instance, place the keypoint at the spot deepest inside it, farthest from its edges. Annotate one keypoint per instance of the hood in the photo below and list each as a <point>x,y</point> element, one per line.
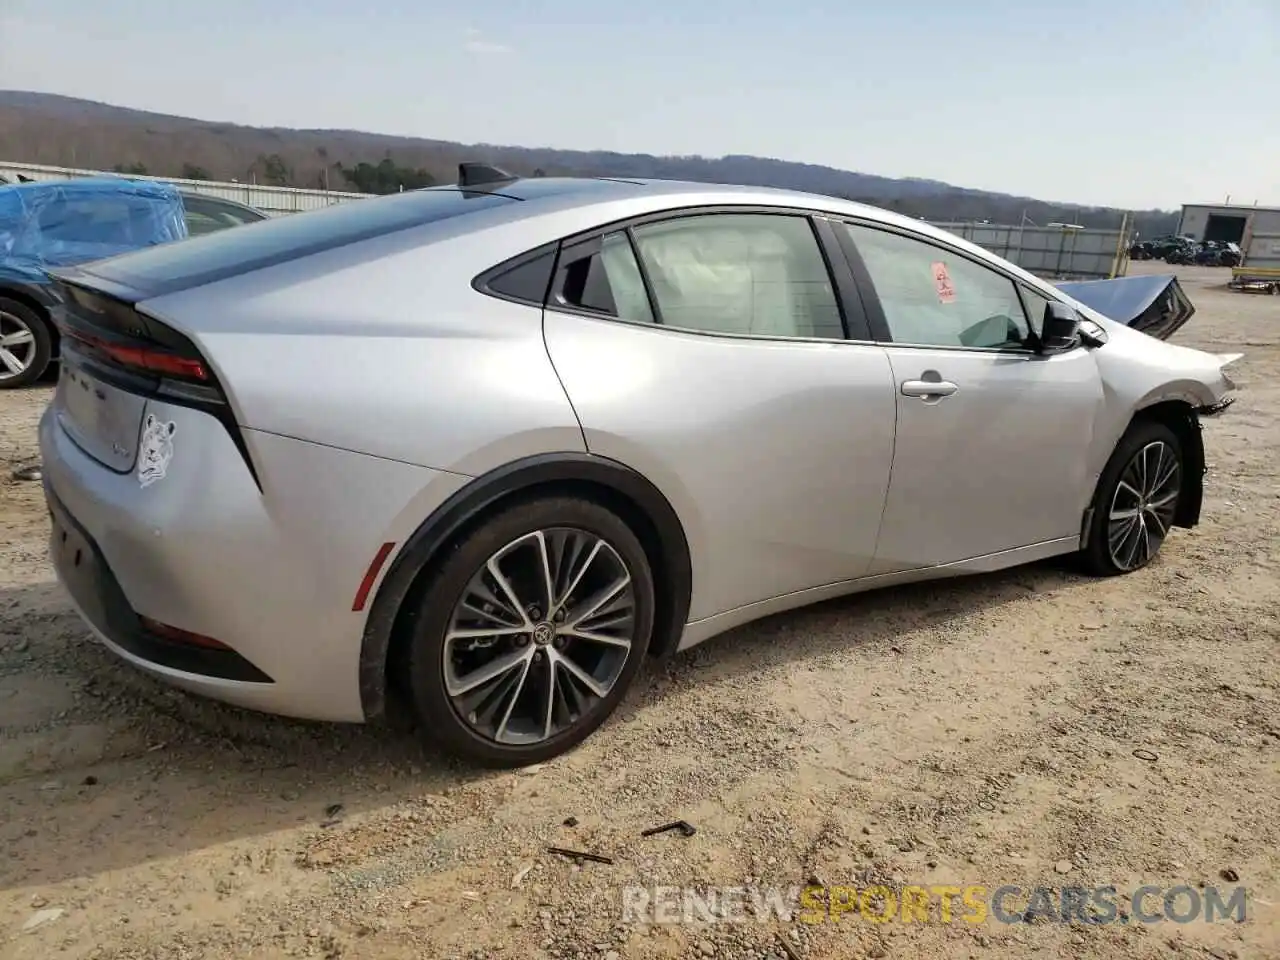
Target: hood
<point>1154,305</point>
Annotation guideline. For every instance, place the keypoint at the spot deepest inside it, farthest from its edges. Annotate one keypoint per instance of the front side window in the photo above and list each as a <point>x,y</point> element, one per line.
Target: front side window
<point>745,274</point>
<point>933,297</point>
<point>1036,303</point>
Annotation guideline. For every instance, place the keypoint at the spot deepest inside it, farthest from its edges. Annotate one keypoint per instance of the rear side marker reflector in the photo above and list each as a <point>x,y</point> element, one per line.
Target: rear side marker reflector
<point>166,632</point>
<point>370,576</point>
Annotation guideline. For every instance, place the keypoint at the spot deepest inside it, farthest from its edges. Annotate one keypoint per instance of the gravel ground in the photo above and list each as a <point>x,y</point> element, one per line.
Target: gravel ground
<point>979,731</point>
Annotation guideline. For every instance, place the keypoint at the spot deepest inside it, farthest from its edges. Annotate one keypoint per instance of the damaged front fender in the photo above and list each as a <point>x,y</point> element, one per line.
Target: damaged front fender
<point>1213,409</point>
<point>1154,305</point>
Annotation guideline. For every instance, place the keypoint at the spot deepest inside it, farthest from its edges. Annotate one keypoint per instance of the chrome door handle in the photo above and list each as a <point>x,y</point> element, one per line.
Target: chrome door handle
<point>928,389</point>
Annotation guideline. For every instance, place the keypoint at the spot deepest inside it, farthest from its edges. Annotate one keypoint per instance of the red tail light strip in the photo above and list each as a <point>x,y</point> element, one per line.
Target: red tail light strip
<point>143,358</point>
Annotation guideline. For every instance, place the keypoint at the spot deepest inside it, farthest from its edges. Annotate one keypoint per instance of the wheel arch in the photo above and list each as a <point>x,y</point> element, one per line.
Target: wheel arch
<point>27,295</point>
<point>607,482</point>
<point>1182,418</point>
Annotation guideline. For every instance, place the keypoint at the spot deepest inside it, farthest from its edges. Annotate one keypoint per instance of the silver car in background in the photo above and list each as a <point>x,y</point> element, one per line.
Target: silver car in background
<point>492,445</point>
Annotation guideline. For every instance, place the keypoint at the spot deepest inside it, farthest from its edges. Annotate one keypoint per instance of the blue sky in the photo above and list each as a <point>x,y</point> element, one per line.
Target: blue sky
<point>1124,102</point>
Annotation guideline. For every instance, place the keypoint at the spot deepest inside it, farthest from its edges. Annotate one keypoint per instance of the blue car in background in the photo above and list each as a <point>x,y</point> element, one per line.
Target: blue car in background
<point>46,224</point>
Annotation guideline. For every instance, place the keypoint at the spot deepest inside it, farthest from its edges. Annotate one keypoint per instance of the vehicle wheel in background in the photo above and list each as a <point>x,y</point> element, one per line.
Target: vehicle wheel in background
<point>25,344</point>
<point>1136,500</point>
<point>530,632</point>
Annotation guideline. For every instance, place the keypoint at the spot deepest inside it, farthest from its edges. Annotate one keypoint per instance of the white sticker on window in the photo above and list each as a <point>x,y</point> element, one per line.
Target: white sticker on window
<point>156,450</point>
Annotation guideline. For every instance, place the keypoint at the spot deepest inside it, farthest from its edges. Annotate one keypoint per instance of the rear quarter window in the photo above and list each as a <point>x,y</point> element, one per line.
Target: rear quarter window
<point>227,253</point>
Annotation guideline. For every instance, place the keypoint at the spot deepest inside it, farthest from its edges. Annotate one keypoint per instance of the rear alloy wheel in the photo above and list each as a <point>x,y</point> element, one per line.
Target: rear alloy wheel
<point>531,632</point>
<point>1136,501</point>
<point>25,344</point>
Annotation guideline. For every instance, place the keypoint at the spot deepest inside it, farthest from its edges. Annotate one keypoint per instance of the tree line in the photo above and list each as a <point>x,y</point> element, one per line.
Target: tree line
<point>385,176</point>
<point>61,131</point>
<point>956,206</point>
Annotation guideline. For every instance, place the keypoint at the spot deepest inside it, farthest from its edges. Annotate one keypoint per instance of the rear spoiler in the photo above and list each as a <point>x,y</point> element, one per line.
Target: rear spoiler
<point>1155,305</point>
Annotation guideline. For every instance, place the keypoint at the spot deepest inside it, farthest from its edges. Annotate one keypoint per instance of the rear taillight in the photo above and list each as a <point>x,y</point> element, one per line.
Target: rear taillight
<point>143,359</point>
<point>133,351</point>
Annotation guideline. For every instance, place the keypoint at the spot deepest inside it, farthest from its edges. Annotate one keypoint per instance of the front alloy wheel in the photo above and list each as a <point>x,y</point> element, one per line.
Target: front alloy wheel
<point>1136,501</point>
<point>1143,505</point>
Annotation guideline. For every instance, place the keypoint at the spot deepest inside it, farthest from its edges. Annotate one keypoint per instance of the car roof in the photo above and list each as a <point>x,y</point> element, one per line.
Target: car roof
<point>591,189</point>
<point>510,217</point>
<point>560,193</point>
<point>626,197</point>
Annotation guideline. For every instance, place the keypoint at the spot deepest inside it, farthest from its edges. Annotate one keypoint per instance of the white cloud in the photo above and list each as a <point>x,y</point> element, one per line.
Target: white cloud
<point>481,47</point>
<point>485,47</point>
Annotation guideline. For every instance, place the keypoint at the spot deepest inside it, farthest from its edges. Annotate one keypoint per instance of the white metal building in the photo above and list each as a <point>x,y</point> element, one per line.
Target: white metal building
<point>1255,229</point>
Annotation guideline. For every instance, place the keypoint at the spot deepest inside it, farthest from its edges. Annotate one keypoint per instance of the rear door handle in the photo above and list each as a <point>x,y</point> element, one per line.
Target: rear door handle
<point>928,389</point>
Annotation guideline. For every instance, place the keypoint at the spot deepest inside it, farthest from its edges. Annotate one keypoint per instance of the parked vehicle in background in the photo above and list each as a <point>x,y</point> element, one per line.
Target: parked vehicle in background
<point>1206,254</point>
<point>206,214</point>
<point>1182,252</point>
<point>1142,250</point>
<point>1161,246</point>
<point>65,222</point>
<point>1231,256</point>
<point>570,423</point>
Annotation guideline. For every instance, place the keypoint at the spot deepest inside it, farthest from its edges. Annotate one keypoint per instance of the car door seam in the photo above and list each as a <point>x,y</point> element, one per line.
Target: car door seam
<point>546,347</point>
<point>893,456</point>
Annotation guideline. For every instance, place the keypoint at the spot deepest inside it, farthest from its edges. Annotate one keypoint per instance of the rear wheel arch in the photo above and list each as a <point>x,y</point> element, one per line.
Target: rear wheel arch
<point>607,482</point>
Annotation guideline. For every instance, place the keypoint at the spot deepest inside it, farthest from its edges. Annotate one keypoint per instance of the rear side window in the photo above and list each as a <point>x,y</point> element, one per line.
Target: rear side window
<point>123,221</point>
<point>227,253</point>
<point>605,278</point>
<point>527,281</point>
<point>740,273</point>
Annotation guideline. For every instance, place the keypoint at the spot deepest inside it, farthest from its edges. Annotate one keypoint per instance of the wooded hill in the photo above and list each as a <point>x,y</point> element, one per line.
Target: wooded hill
<point>64,131</point>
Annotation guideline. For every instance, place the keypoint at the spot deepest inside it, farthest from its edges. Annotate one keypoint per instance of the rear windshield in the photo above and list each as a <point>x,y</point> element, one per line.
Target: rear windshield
<point>238,250</point>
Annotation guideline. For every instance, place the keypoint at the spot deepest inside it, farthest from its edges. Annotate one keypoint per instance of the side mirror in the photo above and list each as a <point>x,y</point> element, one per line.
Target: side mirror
<point>1060,330</point>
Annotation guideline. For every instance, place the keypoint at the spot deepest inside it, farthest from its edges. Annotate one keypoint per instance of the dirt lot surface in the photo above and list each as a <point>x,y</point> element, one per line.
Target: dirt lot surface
<point>980,731</point>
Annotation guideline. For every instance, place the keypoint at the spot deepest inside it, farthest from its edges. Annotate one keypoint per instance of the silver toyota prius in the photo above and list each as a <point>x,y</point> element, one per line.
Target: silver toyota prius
<point>492,445</point>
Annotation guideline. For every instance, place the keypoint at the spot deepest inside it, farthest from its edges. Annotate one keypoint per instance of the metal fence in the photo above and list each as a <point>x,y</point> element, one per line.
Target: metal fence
<point>1054,252</point>
<point>272,200</point>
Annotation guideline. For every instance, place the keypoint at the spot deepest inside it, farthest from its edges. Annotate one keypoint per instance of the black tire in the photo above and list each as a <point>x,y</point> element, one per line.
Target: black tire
<point>434,608</point>
<point>20,314</point>
<point>1098,555</point>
